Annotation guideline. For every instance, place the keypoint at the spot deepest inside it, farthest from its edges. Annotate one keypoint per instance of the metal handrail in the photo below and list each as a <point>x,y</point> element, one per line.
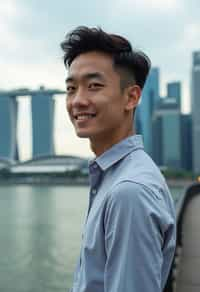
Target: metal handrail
<point>181,205</point>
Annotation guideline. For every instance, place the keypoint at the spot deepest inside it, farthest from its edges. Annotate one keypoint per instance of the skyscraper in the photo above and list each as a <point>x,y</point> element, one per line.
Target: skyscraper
<point>174,91</point>
<point>186,141</point>
<point>195,84</point>
<point>167,134</point>
<point>42,105</point>
<point>150,97</point>
<point>42,121</point>
<point>8,126</point>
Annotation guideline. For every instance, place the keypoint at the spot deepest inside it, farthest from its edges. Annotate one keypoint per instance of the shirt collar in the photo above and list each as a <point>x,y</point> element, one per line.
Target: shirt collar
<point>118,151</point>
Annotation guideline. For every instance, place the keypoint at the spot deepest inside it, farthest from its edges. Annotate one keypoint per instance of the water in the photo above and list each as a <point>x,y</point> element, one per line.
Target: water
<point>40,233</point>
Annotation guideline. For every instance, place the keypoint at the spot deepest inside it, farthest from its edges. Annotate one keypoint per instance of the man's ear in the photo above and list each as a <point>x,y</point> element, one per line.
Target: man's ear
<point>133,97</point>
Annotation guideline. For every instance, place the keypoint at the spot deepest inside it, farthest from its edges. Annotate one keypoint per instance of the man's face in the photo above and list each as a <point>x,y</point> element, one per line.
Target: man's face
<point>95,101</point>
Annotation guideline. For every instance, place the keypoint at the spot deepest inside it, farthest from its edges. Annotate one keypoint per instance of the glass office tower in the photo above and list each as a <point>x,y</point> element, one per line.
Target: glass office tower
<point>174,91</point>
<point>167,134</point>
<point>186,141</point>
<point>42,105</point>
<point>8,126</point>
<point>150,97</point>
<point>195,84</point>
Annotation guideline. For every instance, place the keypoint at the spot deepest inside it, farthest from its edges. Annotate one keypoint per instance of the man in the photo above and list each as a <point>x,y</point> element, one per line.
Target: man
<point>129,234</point>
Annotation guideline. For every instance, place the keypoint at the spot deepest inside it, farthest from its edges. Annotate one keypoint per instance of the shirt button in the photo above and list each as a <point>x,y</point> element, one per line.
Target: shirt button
<point>94,191</point>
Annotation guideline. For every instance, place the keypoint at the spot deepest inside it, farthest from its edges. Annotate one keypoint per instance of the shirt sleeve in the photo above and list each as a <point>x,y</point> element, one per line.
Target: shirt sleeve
<point>134,234</point>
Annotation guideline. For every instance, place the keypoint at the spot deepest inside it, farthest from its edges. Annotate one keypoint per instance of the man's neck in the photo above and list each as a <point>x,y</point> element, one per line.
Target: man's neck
<point>99,146</point>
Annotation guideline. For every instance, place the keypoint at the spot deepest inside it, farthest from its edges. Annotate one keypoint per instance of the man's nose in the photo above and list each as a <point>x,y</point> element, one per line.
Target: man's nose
<point>80,98</point>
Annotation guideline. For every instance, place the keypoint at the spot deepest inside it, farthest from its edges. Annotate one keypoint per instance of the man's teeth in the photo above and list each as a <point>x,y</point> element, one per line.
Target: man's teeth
<point>85,116</point>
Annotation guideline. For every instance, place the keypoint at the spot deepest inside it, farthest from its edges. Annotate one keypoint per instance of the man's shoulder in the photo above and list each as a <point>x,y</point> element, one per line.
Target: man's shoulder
<point>138,177</point>
<point>128,199</point>
<point>128,195</point>
<point>139,168</point>
<point>130,192</point>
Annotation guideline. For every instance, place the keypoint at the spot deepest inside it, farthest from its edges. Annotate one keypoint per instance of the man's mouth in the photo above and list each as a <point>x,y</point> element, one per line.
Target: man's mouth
<point>83,117</point>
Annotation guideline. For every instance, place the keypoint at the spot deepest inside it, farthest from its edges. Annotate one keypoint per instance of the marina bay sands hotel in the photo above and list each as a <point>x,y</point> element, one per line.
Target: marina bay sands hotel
<point>42,107</point>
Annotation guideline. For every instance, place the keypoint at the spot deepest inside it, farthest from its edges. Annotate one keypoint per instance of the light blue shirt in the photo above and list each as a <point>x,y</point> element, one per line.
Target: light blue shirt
<point>130,231</point>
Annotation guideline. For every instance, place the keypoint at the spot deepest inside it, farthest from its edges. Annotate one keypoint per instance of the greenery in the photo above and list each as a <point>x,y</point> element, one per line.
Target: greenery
<point>178,174</point>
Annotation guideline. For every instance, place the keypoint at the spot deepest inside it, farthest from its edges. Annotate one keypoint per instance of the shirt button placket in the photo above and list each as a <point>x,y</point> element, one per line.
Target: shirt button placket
<point>95,176</point>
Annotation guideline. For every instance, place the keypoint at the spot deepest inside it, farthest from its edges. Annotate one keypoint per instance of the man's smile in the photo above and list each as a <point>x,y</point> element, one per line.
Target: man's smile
<point>84,116</point>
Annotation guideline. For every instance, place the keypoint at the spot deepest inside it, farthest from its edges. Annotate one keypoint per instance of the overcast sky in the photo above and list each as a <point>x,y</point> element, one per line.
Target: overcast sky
<point>30,56</point>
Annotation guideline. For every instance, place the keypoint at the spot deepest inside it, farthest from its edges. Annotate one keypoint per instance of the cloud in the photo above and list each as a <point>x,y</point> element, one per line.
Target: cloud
<point>146,5</point>
<point>8,13</point>
<point>8,10</point>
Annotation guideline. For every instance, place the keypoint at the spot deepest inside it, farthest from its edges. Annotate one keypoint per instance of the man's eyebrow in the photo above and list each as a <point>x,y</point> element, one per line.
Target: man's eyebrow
<point>69,79</point>
<point>86,76</point>
<point>92,75</point>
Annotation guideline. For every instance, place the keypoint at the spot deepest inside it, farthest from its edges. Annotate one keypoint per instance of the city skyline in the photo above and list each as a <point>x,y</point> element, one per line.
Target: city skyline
<point>43,98</point>
<point>62,125</point>
<point>33,30</point>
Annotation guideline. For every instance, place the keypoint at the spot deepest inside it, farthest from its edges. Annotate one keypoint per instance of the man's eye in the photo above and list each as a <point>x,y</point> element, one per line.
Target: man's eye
<point>70,89</point>
<point>95,85</point>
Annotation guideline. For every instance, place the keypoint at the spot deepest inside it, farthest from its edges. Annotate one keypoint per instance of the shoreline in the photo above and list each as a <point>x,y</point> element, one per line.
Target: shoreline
<point>80,181</point>
<point>180,183</point>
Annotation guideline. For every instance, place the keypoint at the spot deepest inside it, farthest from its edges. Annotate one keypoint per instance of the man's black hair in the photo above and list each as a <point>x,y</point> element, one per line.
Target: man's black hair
<point>134,64</point>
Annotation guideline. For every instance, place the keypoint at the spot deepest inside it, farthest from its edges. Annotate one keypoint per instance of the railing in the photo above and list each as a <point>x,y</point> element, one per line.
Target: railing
<point>185,270</point>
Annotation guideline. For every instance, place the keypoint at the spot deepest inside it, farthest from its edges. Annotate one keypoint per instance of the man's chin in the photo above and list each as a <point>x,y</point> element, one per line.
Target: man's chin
<point>82,135</point>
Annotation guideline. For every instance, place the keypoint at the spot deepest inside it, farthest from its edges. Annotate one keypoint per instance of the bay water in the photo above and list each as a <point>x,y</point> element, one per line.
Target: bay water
<point>40,235</point>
